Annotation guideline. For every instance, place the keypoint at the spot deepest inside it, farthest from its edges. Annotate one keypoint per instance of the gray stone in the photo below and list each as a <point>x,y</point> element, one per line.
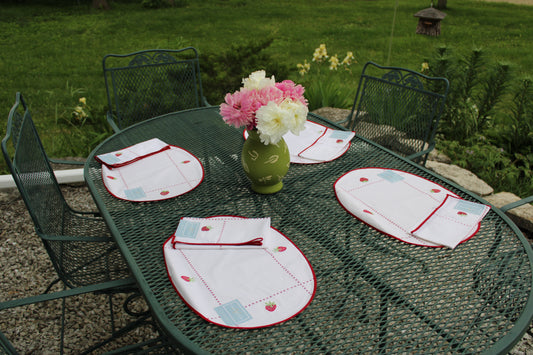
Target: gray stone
<point>462,177</point>
<point>522,215</point>
<point>332,113</point>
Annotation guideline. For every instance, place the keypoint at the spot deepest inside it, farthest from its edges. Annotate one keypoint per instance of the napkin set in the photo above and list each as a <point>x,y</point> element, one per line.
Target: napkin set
<point>149,171</point>
<point>317,144</point>
<point>408,207</point>
<point>238,272</point>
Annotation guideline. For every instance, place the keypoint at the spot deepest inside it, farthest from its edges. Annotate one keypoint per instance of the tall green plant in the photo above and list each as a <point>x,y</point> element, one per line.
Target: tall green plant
<point>493,89</point>
<point>476,88</point>
<point>328,81</point>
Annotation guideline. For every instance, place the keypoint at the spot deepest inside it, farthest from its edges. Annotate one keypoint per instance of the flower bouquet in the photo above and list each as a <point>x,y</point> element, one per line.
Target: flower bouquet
<point>271,108</point>
<point>267,110</point>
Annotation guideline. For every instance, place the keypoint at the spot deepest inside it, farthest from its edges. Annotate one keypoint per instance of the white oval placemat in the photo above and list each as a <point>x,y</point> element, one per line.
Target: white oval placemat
<point>409,207</point>
<point>165,174</point>
<point>244,286</point>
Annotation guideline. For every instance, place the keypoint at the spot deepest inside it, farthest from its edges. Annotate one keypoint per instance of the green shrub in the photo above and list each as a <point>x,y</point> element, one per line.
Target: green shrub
<point>222,73</point>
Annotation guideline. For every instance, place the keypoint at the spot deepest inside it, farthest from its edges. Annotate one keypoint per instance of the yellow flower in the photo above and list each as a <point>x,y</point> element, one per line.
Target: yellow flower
<point>425,66</point>
<point>303,68</point>
<point>83,100</point>
<point>320,53</point>
<point>333,62</point>
<point>349,59</point>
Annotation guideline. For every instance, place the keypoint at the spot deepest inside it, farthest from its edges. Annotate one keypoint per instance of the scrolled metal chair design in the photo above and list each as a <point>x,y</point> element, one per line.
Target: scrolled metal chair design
<point>79,244</point>
<point>149,83</point>
<point>398,109</point>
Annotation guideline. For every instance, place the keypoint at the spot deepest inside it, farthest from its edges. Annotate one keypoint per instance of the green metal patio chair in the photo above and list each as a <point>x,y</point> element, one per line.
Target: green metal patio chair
<point>79,245</point>
<point>150,83</point>
<point>6,348</point>
<point>396,108</point>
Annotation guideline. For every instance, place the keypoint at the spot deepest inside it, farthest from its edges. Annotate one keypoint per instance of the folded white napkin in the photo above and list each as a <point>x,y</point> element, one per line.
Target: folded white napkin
<point>454,221</point>
<point>221,232</point>
<point>317,143</point>
<point>239,286</point>
<point>133,153</point>
<point>330,145</point>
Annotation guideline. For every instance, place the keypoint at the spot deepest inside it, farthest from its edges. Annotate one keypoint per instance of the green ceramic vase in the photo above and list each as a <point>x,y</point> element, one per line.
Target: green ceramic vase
<point>265,165</point>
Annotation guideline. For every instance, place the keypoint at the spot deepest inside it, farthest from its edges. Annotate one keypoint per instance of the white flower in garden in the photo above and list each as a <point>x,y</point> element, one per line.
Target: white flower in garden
<point>272,122</point>
<point>258,80</point>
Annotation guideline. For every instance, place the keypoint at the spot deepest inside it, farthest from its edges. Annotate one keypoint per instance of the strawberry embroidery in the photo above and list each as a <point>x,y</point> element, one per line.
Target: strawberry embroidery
<point>339,141</point>
<point>188,278</point>
<point>118,154</point>
<point>367,211</point>
<point>280,249</point>
<point>186,162</point>
<point>270,306</point>
<point>206,228</point>
<point>164,193</point>
<point>461,213</point>
<point>111,177</point>
<point>363,179</point>
<point>435,191</point>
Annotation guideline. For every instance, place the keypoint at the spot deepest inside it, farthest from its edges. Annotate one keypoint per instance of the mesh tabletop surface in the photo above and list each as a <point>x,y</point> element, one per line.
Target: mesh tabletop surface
<point>374,294</point>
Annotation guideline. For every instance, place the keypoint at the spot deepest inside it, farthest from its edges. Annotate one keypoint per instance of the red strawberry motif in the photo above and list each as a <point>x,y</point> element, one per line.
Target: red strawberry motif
<point>187,278</point>
<point>363,179</point>
<point>270,306</point>
<point>461,213</point>
<point>280,249</point>
<point>111,177</point>
<point>186,161</point>
<point>435,191</point>
<point>339,141</point>
<point>118,154</point>
<point>164,193</point>
<point>206,228</point>
<point>367,211</point>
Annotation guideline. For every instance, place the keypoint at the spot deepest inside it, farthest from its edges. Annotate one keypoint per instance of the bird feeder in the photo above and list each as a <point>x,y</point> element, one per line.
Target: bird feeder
<point>429,21</point>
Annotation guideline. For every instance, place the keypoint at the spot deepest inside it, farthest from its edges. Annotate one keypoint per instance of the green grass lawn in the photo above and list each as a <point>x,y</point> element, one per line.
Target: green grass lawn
<point>53,53</point>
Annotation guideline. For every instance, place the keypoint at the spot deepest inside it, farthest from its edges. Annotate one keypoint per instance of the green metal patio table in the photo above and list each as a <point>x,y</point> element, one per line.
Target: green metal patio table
<point>374,294</point>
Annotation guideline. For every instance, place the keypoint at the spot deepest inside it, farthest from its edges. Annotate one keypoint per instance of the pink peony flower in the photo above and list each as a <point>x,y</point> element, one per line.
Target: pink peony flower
<point>292,91</point>
<point>239,109</point>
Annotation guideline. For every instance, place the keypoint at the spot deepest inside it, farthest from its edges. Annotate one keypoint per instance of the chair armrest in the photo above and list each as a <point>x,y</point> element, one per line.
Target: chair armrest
<point>112,122</point>
<point>66,162</point>
<point>422,153</point>
<point>206,104</point>
<point>515,204</point>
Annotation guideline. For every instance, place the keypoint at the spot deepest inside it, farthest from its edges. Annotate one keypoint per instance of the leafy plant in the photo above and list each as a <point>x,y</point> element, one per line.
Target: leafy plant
<point>323,79</point>
<point>223,72</point>
<point>476,88</point>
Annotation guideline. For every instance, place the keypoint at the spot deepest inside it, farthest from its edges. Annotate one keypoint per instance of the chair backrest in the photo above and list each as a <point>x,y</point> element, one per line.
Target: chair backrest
<point>31,170</point>
<point>149,83</point>
<point>398,109</point>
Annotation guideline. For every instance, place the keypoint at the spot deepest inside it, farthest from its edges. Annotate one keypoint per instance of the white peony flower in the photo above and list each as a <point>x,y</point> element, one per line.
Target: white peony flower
<point>297,115</point>
<point>272,122</point>
<point>258,80</point>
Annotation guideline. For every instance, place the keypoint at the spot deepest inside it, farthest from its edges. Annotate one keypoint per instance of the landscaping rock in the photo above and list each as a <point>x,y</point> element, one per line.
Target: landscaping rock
<point>522,215</point>
<point>332,113</point>
<point>462,177</point>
